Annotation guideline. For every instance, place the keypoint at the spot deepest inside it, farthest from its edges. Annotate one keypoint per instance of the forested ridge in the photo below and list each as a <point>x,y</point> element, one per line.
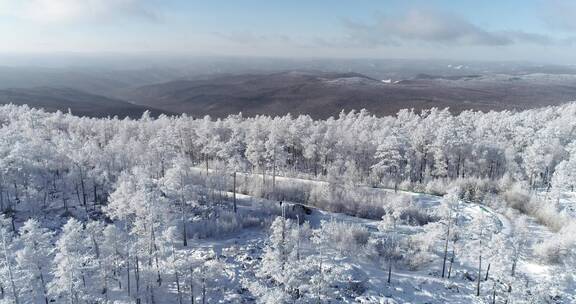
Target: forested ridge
<point>100,209</point>
<point>45,153</point>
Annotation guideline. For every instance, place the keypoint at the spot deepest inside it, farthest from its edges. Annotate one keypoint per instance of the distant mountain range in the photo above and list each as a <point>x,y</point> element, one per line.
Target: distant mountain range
<point>326,94</point>
<point>78,102</point>
<point>319,93</point>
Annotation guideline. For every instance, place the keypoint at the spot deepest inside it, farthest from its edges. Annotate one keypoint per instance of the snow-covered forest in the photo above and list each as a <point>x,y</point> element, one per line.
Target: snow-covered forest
<point>422,207</point>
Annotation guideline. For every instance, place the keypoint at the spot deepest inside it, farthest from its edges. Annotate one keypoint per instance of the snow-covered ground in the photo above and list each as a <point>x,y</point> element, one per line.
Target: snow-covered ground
<point>534,280</point>
<point>567,202</point>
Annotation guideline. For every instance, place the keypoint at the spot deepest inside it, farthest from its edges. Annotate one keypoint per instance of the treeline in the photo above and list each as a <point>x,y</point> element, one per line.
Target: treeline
<point>55,157</point>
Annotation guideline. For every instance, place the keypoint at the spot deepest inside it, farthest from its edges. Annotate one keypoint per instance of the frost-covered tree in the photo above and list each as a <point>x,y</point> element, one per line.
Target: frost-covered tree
<point>448,211</point>
<point>113,254</point>
<point>177,184</point>
<point>34,258</point>
<point>8,270</point>
<point>149,174</point>
<point>256,149</point>
<point>390,242</point>
<point>276,253</point>
<point>95,232</point>
<point>74,264</point>
<point>389,157</point>
<point>277,145</point>
<point>170,237</point>
<point>481,234</point>
<point>140,203</point>
<point>564,177</point>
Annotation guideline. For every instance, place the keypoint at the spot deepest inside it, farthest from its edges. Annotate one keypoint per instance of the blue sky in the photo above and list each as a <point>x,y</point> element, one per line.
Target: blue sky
<point>537,30</point>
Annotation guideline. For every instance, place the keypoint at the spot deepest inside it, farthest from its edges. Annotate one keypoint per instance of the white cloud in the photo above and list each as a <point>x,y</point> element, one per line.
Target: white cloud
<point>74,10</point>
<point>433,27</point>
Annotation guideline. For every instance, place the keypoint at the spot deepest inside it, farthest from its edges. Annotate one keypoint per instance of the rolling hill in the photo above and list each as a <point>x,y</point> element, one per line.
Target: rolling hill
<point>80,103</point>
<point>322,94</point>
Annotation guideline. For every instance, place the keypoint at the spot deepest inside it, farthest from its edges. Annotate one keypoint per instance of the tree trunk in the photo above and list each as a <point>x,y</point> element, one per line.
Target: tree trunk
<point>178,289</point>
<point>83,188</point>
<point>513,268</point>
<point>389,271</point>
<point>494,293</point>
<point>451,261</point>
<point>176,275</point>
<point>183,215</point>
<point>515,261</point>
<point>274,175</point>
<point>321,277</point>
<point>44,199</point>
<point>16,196</point>
<point>298,238</point>
<point>458,166</point>
<point>487,272</point>
<point>151,291</point>
<point>203,289</point>
<point>422,168</point>
<point>128,270</point>
<point>154,252</point>
<point>1,199</point>
<point>446,248</point>
<point>77,193</point>
<point>234,191</point>
<point>137,277</point>
<point>184,230</point>
<point>315,166</point>
<point>263,181</point>
<point>94,187</point>
<point>43,282</point>
<point>479,275</point>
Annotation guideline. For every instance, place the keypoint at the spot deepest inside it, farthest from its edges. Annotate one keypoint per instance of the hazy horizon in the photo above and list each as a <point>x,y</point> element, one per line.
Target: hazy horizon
<point>145,60</point>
